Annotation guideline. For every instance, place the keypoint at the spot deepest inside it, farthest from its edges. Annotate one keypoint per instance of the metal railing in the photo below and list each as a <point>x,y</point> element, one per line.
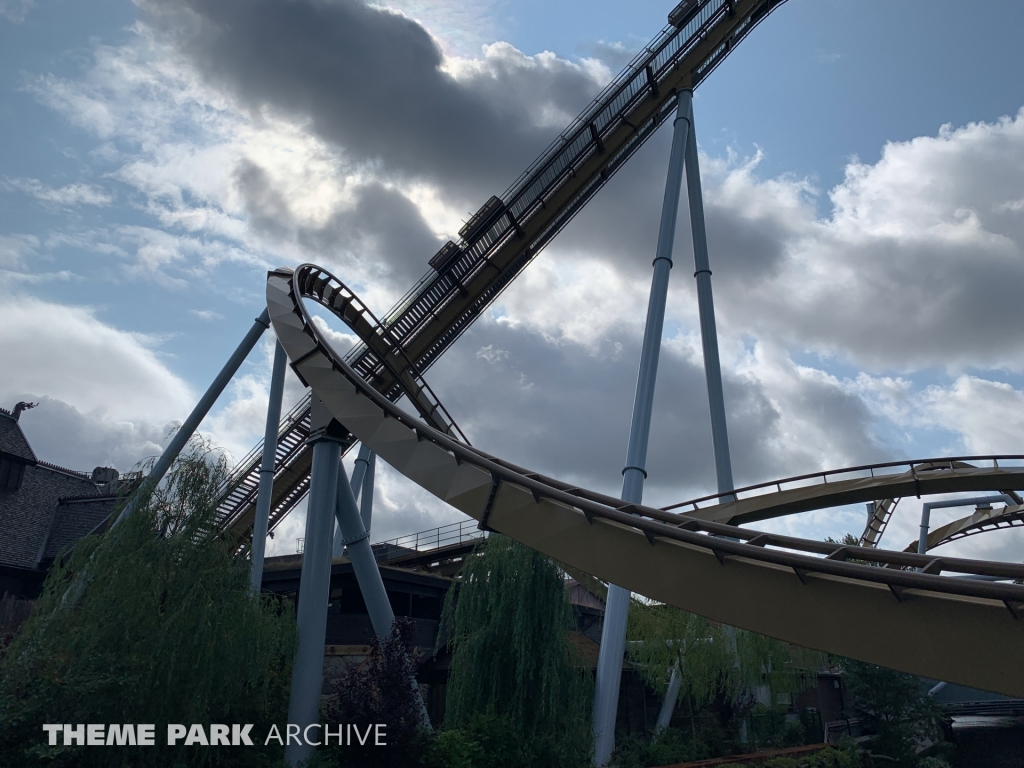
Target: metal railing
<point>865,471</point>
<point>435,538</point>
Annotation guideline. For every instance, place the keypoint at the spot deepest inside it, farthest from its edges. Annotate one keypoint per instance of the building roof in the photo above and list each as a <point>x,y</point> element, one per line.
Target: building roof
<point>75,519</point>
<point>12,439</point>
<point>53,507</point>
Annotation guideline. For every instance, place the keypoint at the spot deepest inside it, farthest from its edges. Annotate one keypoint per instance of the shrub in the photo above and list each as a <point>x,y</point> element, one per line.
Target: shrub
<point>378,691</point>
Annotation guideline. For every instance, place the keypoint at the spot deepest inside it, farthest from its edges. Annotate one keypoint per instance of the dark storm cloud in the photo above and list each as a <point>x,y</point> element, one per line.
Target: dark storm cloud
<point>620,225</point>
<point>371,81</point>
<point>383,230</point>
<point>562,410</point>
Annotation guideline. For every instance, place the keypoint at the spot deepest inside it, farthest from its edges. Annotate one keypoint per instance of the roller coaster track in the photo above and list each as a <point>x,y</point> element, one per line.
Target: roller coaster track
<point>883,484</point>
<point>982,520</point>
<point>542,201</point>
<point>906,614</point>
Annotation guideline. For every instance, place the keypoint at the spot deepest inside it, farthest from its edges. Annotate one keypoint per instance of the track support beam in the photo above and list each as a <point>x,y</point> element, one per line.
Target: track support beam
<point>613,633</point>
<point>706,310</point>
<point>314,592</point>
<point>359,490</point>
<point>371,585</point>
<point>191,424</point>
<point>263,497</point>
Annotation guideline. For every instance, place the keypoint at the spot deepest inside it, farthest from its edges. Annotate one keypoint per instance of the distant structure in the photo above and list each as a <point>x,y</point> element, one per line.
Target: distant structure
<point>43,507</point>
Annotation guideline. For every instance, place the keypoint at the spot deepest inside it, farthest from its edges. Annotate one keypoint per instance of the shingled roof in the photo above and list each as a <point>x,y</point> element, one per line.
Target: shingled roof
<point>74,519</point>
<point>52,508</point>
<point>12,439</point>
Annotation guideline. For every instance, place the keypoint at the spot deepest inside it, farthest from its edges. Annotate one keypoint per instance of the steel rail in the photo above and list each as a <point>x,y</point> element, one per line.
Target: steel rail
<point>981,521</point>
<point>538,205</point>
<point>543,513</point>
<point>880,518</point>
<point>924,477</point>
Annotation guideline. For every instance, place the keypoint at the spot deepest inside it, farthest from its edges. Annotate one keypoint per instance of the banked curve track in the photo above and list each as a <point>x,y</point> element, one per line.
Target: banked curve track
<point>906,615</point>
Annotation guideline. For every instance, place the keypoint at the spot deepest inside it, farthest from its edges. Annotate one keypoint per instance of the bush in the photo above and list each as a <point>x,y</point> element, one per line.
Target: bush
<point>485,741</point>
<point>897,709</point>
<point>159,625</point>
<point>378,691</point>
<point>831,757</point>
<point>673,745</point>
<point>770,728</point>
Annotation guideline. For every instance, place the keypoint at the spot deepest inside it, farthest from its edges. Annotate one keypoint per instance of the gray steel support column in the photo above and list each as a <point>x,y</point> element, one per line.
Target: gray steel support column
<point>371,585</point>
<point>706,310</point>
<point>314,593</point>
<point>922,540</point>
<point>669,705</point>
<point>977,501</point>
<point>358,472</point>
<point>366,500</point>
<point>259,525</point>
<point>189,426</point>
<point>613,634</point>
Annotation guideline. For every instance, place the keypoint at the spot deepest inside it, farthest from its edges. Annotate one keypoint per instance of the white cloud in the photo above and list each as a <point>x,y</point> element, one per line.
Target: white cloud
<point>14,249</point>
<point>15,10</point>
<point>67,196</point>
<point>106,397</point>
<point>206,314</point>
<point>912,265</point>
<point>66,353</point>
<point>989,415</point>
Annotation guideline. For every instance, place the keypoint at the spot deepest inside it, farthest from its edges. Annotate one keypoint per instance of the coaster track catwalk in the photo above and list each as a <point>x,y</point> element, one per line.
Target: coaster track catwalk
<point>504,236</point>
<point>908,614</point>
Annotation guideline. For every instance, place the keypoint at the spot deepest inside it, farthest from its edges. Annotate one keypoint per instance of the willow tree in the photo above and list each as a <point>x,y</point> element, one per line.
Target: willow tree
<point>165,630</point>
<point>512,657</point>
<point>713,659</point>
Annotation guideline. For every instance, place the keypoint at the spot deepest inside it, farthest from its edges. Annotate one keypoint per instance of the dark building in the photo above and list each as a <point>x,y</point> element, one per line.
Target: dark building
<point>43,508</point>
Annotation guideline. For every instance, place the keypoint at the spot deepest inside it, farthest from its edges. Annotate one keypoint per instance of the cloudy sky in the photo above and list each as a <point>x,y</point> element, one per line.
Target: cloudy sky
<point>863,167</point>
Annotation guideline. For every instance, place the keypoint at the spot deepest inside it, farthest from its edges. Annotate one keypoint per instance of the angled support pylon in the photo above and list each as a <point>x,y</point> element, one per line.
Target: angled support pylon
<point>706,310</point>
<point>361,489</point>
<point>191,424</point>
<point>613,633</point>
<point>371,585</point>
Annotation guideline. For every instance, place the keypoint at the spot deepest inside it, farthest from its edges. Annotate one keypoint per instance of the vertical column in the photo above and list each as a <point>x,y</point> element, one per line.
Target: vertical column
<point>922,540</point>
<point>314,590</point>
<point>259,525</point>
<point>613,634</point>
<point>706,310</point>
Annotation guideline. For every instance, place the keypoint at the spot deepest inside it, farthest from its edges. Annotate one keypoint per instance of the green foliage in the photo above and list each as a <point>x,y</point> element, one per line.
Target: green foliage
<point>486,741</point>
<point>895,706</point>
<point>673,745</point>
<point>714,659</point>
<point>137,627</point>
<point>512,660</point>
<point>832,757</point>
<point>378,691</point>
<point>770,728</point>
